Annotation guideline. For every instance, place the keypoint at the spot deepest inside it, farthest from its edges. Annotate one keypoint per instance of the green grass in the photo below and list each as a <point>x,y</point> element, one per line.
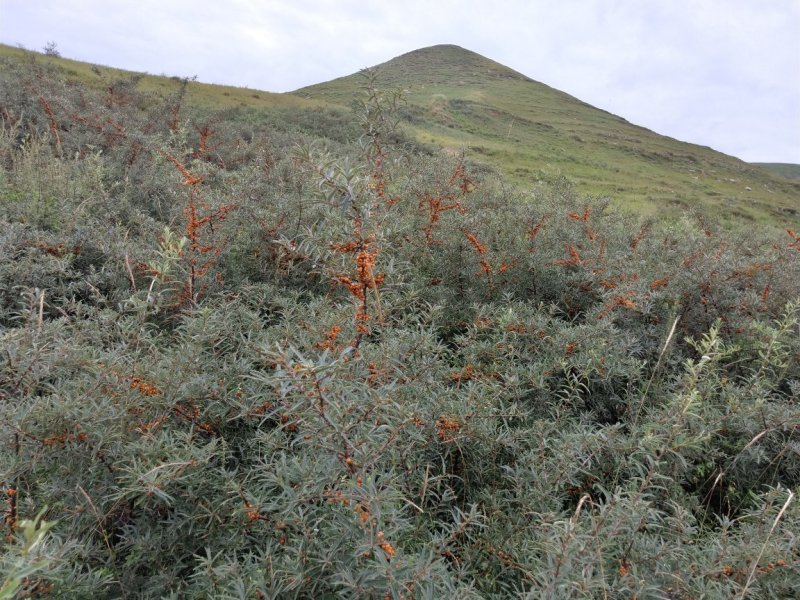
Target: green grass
<point>200,95</point>
<point>788,170</point>
<point>533,133</point>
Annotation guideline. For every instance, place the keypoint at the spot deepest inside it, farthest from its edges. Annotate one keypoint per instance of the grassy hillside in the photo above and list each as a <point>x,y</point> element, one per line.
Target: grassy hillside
<point>532,133</point>
<point>788,170</point>
<point>200,95</point>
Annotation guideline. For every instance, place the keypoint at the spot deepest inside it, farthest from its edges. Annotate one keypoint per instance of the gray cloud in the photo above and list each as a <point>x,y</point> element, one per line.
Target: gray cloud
<point>722,73</point>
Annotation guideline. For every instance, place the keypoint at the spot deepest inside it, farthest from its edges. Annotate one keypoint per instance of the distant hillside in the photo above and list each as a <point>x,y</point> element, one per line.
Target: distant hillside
<point>199,94</point>
<point>533,133</point>
<point>788,170</point>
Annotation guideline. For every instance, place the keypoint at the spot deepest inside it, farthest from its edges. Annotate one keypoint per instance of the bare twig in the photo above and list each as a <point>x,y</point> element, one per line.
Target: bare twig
<point>41,312</point>
<point>655,369</point>
<point>766,541</point>
<point>99,520</point>
<point>130,272</point>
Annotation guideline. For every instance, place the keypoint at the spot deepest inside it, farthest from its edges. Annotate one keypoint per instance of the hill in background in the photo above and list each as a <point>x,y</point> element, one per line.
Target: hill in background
<point>788,170</point>
<point>533,133</point>
<point>458,100</point>
<point>200,95</point>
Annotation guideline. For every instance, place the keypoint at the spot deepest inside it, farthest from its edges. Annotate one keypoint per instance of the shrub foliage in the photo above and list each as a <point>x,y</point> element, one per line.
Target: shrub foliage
<point>273,355</point>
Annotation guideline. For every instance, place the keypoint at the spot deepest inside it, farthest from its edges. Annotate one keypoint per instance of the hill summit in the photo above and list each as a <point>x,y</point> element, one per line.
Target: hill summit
<point>533,133</point>
<point>447,63</point>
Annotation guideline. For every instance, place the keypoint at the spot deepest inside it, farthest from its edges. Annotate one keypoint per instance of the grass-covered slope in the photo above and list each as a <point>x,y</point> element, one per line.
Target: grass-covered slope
<point>788,170</point>
<point>532,132</point>
<point>199,94</point>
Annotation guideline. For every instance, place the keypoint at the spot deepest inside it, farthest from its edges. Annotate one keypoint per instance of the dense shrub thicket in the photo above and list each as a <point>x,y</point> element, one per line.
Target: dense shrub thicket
<point>287,355</point>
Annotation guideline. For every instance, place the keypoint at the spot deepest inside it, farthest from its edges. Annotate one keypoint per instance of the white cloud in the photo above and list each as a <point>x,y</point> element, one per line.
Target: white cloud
<point>722,73</point>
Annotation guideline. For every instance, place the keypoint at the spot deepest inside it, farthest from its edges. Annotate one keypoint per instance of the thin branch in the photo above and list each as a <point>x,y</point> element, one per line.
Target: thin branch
<point>99,520</point>
<point>764,547</point>
<point>130,272</point>
<point>41,313</point>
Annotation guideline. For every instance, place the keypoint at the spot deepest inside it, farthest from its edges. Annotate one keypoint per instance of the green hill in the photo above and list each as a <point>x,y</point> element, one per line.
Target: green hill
<point>533,133</point>
<point>201,95</point>
<point>788,170</point>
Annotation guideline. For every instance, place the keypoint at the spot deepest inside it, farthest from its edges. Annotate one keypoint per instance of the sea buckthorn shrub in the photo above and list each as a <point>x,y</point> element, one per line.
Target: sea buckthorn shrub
<point>289,356</point>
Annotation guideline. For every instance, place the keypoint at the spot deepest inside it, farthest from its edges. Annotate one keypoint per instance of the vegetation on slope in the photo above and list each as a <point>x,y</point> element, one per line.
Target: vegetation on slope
<point>533,133</point>
<point>199,95</point>
<point>282,355</point>
<point>788,170</point>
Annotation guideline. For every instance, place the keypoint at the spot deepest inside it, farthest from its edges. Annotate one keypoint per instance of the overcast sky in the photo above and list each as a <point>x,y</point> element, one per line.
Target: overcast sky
<point>722,73</point>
